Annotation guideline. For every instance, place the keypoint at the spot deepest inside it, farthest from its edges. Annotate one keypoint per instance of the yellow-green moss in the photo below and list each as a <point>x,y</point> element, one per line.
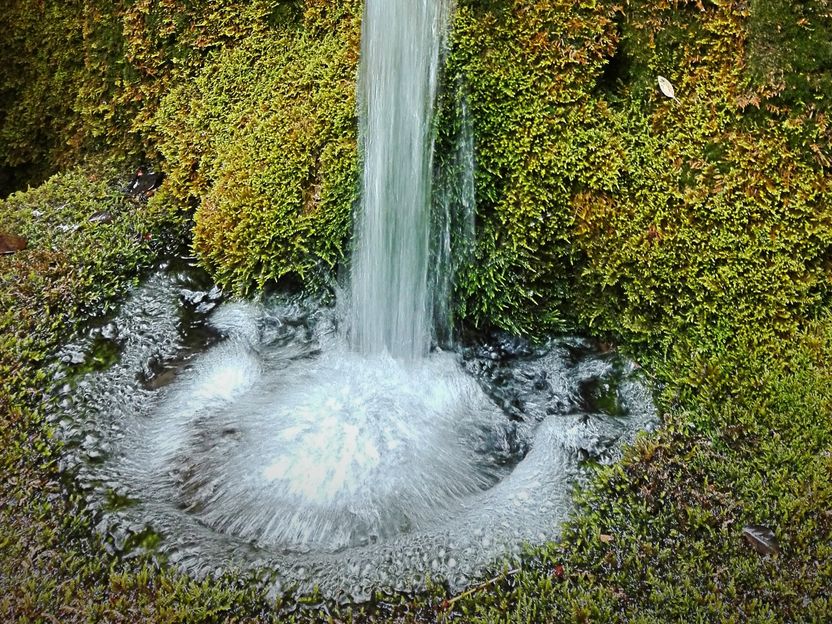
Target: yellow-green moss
<point>87,78</point>
<point>697,230</point>
<point>263,142</point>
<point>719,223</point>
<point>528,70</point>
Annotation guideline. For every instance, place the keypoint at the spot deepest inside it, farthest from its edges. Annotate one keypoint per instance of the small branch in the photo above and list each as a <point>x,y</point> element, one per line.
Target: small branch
<point>447,604</point>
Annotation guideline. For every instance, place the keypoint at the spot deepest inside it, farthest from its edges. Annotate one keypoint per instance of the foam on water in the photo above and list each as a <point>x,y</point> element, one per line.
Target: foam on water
<point>257,437</point>
<point>277,450</point>
<point>350,450</point>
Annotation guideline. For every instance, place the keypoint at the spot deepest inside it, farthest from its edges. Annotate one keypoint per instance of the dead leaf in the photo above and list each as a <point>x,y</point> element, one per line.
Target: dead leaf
<point>667,88</point>
<point>761,539</point>
<point>605,539</point>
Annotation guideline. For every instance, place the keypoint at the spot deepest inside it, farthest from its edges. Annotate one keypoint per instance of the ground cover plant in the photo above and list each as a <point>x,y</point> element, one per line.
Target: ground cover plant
<point>694,233</point>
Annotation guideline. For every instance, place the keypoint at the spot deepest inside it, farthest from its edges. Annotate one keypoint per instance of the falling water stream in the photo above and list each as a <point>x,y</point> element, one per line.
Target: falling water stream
<point>315,447</point>
<point>391,302</point>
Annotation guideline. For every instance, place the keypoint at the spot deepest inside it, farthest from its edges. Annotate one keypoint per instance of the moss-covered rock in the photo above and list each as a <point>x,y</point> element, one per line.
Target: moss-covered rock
<point>87,78</point>
<point>263,142</point>
<point>528,71</point>
<point>602,200</point>
<point>719,221</point>
<point>696,230</point>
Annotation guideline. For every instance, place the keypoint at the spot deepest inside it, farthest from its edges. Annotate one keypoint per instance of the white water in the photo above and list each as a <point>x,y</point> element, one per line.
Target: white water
<point>391,302</point>
<point>280,451</point>
<point>348,463</point>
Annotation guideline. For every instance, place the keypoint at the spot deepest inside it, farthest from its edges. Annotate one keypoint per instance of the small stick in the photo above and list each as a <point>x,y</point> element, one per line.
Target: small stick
<point>449,603</point>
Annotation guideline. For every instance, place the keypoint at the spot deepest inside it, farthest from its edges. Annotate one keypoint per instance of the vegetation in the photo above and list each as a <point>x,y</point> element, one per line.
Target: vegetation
<point>263,141</point>
<point>695,232</point>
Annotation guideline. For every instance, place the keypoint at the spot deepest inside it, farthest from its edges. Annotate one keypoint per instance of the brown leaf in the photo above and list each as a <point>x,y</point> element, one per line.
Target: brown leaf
<point>605,539</point>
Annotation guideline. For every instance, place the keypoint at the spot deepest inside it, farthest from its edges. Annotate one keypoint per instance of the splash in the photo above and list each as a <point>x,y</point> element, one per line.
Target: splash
<point>250,436</point>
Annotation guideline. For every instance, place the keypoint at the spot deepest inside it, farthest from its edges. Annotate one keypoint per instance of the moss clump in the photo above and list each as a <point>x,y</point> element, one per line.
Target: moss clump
<point>263,142</point>
<point>718,227</point>
<point>250,106</point>
<point>528,70</point>
<point>706,248</point>
<point>72,264</point>
<point>603,201</point>
<point>790,50</point>
<point>87,78</point>
<point>696,231</point>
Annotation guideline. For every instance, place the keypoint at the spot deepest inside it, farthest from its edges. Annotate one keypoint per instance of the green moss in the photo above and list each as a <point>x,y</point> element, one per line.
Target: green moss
<point>263,142</point>
<point>87,78</point>
<point>790,50</point>
<point>528,70</point>
<point>719,224</point>
<point>658,537</point>
<point>72,264</point>
<point>695,230</point>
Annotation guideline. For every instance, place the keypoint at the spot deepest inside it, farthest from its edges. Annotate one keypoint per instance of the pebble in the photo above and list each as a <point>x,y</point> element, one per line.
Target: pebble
<point>100,218</point>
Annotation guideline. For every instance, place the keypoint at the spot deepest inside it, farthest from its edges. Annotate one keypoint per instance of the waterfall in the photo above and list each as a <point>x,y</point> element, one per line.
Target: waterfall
<point>391,305</point>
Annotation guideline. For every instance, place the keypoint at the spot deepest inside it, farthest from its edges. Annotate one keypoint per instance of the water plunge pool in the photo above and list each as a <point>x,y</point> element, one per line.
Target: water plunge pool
<point>247,436</point>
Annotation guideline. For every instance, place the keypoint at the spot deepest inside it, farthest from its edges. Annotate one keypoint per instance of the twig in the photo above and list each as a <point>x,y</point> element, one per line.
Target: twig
<point>449,603</point>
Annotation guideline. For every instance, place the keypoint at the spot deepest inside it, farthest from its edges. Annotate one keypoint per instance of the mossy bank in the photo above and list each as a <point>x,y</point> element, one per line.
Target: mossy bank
<point>694,232</point>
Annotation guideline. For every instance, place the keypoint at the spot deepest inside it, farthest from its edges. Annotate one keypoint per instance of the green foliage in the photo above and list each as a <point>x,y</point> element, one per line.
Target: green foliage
<point>602,201</point>
<point>718,225</point>
<point>697,231</point>
<point>705,245</point>
<point>87,78</point>
<point>72,264</point>
<point>790,50</point>
<point>72,268</point>
<point>658,537</point>
<point>264,143</point>
<point>528,70</point>
<point>38,76</point>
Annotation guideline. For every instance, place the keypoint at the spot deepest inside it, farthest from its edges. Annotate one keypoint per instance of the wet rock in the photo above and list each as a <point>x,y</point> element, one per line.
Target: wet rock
<point>110,331</point>
<point>9,243</point>
<point>74,357</point>
<point>160,379</point>
<point>192,297</point>
<point>144,183</point>
<point>101,218</point>
<point>513,346</point>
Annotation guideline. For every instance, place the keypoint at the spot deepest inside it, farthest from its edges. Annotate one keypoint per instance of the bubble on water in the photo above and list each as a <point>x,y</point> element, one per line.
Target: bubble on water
<point>278,451</point>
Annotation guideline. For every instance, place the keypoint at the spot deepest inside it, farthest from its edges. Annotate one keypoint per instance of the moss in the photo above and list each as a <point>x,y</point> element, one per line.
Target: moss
<point>71,266</point>
<point>696,231</point>
<point>263,142</point>
<point>528,70</point>
<point>719,224</point>
<point>790,50</point>
<point>87,78</point>
<point>658,538</point>
<point>706,248</point>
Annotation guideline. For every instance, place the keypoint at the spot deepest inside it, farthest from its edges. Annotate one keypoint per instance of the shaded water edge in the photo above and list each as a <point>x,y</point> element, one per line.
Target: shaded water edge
<point>141,446</point>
